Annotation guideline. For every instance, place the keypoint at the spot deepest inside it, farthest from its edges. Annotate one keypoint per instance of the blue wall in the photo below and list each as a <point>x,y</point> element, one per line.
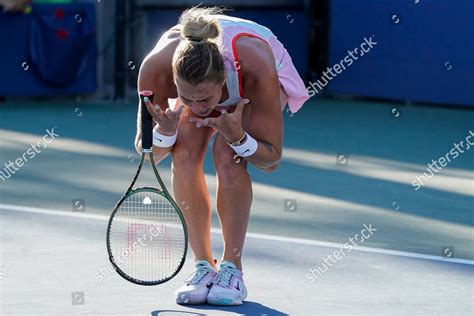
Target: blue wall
<point>428,56</point>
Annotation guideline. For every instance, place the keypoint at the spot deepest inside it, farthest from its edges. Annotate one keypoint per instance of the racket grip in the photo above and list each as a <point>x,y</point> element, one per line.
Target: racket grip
<point>147,120</point>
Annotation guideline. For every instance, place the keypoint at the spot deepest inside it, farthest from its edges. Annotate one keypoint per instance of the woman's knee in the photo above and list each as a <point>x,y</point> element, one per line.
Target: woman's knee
<point>191,146</point>
<point>186,157</point>
<point>228,165</point>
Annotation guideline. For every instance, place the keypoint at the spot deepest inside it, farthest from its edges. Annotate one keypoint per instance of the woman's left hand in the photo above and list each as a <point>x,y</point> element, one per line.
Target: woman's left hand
<point>227,124</point>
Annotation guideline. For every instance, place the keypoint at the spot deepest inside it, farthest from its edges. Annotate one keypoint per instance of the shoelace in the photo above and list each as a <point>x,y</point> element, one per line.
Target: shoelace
<point>197,275</point>
<point>224,275</point>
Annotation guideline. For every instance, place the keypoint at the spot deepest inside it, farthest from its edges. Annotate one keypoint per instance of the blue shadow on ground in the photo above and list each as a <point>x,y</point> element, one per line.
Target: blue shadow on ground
<point>247,308</point>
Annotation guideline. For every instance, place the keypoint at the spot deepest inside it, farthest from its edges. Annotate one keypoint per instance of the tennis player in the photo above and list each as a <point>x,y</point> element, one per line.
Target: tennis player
<point>215,74</point>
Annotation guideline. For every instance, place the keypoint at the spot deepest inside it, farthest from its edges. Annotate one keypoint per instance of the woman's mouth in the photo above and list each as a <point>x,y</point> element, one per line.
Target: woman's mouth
<point>205,112</point>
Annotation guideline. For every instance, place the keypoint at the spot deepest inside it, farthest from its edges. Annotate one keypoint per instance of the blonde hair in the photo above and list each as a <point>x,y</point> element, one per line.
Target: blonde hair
<point>198,58</point>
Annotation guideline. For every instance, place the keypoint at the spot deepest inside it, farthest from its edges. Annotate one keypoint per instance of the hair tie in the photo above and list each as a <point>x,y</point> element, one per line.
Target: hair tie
<point>194,39</point>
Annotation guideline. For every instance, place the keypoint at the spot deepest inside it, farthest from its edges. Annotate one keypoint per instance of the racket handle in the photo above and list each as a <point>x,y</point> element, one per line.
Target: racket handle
<point>147,120</point>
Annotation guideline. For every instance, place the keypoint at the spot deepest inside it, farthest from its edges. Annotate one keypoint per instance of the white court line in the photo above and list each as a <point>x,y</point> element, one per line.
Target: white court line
<point>300,241</point>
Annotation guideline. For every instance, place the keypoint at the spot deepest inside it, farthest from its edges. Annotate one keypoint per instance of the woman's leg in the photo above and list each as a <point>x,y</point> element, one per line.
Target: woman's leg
<point>189,186</point>
<point>234,198</point>
<point>234,191</point>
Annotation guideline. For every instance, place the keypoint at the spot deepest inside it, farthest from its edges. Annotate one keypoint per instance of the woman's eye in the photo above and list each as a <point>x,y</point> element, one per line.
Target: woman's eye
<point>189,101</point>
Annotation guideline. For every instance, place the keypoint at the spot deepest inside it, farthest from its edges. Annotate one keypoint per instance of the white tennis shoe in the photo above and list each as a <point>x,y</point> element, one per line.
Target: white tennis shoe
<point>197,285</point>
<point>228,287</point>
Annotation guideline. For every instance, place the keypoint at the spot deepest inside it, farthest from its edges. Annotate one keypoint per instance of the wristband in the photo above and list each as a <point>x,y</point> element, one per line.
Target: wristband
<point>237,142</point>
<point>163,141</point>
<point>248,148</point>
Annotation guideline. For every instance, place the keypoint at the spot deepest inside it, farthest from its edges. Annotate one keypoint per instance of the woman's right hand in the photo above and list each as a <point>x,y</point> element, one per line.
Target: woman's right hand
<point>166,121</point>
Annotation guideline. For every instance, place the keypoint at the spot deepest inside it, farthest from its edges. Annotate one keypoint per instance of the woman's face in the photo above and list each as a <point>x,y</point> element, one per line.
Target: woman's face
<point>201,98</point>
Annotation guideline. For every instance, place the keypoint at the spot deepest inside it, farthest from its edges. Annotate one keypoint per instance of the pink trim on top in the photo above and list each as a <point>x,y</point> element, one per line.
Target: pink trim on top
<point>236,55</point>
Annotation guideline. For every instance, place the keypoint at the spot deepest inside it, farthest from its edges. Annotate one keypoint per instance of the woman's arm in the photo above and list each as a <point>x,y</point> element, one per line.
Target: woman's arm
<point>265,123</point>
<point>148,79</point>
<point>262,87</point>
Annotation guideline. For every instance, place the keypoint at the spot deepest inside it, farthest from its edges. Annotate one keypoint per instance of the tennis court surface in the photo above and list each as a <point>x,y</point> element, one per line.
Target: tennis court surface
<point>347,171</point>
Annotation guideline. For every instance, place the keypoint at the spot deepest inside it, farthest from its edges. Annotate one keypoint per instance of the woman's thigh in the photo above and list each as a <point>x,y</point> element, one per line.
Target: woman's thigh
<point>192,142</point>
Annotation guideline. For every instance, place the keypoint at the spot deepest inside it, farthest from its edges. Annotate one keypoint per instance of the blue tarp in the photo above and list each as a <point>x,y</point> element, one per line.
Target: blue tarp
<point>51,51</point>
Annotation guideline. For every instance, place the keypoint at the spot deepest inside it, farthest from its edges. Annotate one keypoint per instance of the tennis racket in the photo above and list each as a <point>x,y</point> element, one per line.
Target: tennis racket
<point>147,238</point>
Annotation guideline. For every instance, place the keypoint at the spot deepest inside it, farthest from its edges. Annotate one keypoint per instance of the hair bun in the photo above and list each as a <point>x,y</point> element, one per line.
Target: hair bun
<point>200,24</point>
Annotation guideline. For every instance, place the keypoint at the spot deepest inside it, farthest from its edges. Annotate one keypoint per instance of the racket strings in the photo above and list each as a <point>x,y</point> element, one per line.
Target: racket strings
<point>147,239</point>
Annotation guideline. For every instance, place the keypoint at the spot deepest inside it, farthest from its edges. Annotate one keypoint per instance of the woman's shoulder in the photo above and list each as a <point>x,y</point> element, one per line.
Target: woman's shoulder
<point>157,65</point>
<point>255,57</point>
<point>164,49</point>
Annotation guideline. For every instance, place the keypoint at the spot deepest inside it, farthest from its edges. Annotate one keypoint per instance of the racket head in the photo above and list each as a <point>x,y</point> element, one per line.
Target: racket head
<point>147,237</point>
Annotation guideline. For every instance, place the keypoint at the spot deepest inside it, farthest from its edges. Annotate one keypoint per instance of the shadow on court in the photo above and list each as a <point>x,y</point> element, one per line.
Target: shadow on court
<point>174,312</point>
<point>62,256</point>
<point>93,161</point>
<point>94,157</point>
<point>247,308</point>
